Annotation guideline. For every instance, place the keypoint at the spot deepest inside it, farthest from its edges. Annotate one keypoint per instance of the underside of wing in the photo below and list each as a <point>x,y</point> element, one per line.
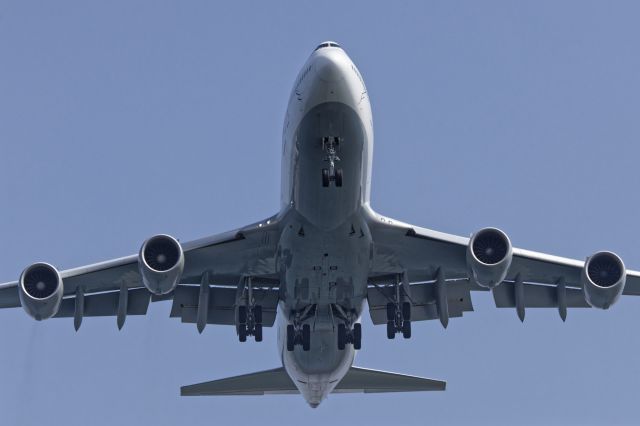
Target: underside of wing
<point>423,298</point>
<point>116,287</point>
<point>222,303</point>
<point>425,264</point>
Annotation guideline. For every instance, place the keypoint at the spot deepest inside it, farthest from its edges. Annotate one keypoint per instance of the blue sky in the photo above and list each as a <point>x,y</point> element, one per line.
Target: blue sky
<point>120,120</point>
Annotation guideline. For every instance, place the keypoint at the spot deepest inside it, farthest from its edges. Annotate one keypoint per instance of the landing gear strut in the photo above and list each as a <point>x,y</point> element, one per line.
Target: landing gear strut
<point>249,317</point>
<point>330,145</point>
<point>299,333</point>
<point>349,331</point>
<point>398,315</point>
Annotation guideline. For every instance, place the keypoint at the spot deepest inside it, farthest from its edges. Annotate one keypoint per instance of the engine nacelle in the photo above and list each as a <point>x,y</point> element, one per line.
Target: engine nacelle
<point>161,262</point>
<point>489,256</point>
<point>40,290</point>
<point>603,279</point>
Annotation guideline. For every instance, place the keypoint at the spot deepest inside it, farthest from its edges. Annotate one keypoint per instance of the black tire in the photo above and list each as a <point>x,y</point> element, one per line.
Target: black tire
<point>325,178</point>
<point>406,311</point>
<point>242,333</point>
<point>242,314</point>
<point>339,178</point>
<point>291,335</point>
<point>391,330</point>
<point>357,336</point>
<point>391,312</point>
<point>406,329</point>
<point>257,314</point>
<point>306,337</point>
<point>258,333</point>
<point>342,336</point>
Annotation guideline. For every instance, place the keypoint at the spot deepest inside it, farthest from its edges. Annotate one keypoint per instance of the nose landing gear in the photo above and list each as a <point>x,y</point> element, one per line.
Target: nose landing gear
<point>330,145</point>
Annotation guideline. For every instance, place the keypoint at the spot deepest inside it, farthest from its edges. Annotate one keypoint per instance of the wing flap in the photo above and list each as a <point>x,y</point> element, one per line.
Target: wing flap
<point>222,304</point>
<point>537,296</point>
<point>106,304</point>
<point>9,295</point>
<point>423,301</point>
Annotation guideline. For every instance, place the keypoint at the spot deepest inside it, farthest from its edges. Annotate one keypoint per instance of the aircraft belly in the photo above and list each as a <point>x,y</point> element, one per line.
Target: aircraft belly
<point>322,268</point>
<point>325,248</point>
<point>327,206</point>
<point>325,267</point>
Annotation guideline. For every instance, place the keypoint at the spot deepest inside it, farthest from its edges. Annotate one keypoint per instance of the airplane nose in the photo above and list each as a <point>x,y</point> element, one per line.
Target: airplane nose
<point>329,67</point>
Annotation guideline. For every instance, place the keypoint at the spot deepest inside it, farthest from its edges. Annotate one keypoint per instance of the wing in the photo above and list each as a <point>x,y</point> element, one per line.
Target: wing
<point>423,255</point>
<point>115,287</point>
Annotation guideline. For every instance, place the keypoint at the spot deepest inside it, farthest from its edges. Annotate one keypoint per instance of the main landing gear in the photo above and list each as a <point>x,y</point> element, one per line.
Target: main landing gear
<point>249,316</point>
<point>330,145</point>
<point>299,334</point>
<point>398,319</point>
<point>352,336</point>
<point>398,314</point>
<point>250,322</point>
<point>349,331</point>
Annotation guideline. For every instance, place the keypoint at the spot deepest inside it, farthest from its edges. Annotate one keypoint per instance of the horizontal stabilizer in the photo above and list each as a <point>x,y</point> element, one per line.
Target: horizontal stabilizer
<point>373,381</point>
<point>267,382</point>
<point>277,381</point>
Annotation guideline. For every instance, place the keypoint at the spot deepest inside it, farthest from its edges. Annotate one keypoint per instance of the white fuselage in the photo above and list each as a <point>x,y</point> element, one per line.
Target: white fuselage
<point>325,245</point>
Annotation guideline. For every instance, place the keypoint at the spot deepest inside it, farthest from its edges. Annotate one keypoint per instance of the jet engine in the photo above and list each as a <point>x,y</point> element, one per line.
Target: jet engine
<point>161,262</point>
<point>40,290</point>
<point>489,255</point>
<point>603,279</point>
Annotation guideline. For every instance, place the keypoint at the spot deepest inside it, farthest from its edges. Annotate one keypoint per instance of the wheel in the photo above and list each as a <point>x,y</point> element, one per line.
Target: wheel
<point>258,333</point>
<point>257,314</point>
<point>325,177</point>
<point>357,336</point>
<point>242,333</point>
<point>339,178</point>
<point>242,314</point>
<point>406,329</point>
<point>291,335</point>
<point>306,337</point>
<point>391,311</point>
<point>391,330</point>
<point>342,336</point>
<point>406,311</point>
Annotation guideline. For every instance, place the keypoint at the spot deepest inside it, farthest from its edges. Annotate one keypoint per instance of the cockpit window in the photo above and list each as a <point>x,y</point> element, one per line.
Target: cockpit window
<point>328,44</point>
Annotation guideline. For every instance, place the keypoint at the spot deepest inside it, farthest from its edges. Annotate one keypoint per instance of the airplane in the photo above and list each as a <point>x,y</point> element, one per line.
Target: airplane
<point>314,264</point>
